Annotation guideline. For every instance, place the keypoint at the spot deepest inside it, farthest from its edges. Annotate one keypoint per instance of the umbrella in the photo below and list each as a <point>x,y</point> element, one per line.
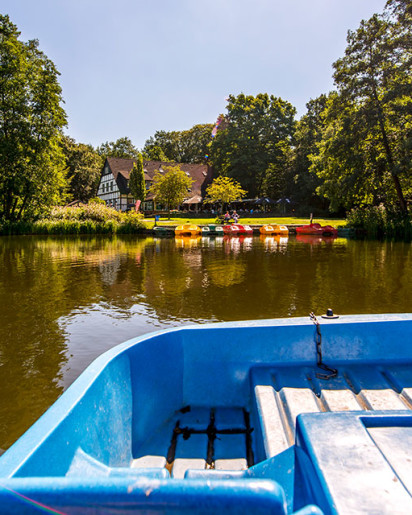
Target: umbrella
<point>264,200</point>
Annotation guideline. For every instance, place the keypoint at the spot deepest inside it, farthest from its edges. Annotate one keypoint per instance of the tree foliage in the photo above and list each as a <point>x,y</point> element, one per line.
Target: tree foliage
<point>171,187</point>
<point>122,147</point>
<point>224,190</point>
<point>189,146</point>
<point>31,120</point>
<point>257,135</point>
<point>83,169</point>
<point>304,183</point>
<point>137,183</point>
<point>364,156</point>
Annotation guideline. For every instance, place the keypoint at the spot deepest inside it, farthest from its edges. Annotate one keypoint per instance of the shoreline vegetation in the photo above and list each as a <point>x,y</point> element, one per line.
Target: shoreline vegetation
<point>96,218</point>
<point>93,218</point>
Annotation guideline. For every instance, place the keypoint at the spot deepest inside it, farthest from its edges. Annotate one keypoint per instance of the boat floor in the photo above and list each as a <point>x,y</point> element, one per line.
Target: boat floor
<point>226,439</point>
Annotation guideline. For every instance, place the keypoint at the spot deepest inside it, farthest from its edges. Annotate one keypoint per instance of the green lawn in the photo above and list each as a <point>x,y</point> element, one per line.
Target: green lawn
<point>248,221</point>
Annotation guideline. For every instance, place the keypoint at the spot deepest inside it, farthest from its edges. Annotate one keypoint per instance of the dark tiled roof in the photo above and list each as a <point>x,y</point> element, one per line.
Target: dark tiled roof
<point>121,168</point>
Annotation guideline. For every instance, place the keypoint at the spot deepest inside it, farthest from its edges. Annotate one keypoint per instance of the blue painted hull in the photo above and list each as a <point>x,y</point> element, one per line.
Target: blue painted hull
<point>228,418</point>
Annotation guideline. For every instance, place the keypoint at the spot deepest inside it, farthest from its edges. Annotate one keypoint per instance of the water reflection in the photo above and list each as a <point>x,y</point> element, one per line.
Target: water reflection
<point>66,300</point>
<point>313,239</point>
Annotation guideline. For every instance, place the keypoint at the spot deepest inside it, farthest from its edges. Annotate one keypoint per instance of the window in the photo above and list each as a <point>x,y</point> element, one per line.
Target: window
<point>111,186</point>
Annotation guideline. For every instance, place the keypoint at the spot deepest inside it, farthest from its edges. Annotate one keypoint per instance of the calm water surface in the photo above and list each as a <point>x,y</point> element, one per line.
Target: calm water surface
<point>66,300</point>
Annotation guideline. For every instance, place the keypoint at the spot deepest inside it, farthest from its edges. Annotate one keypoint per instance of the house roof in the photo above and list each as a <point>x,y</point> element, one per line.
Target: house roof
<point>121,168</point>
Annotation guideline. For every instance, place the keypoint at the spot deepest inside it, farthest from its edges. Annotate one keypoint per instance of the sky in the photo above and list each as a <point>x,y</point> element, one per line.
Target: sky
<point>132,67</point>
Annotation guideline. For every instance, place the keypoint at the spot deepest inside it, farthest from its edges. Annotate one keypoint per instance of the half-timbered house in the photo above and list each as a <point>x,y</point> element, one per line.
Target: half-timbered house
<point>114,183</point>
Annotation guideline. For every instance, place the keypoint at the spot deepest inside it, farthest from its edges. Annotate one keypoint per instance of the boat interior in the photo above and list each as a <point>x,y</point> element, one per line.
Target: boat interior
<point>232,418</point>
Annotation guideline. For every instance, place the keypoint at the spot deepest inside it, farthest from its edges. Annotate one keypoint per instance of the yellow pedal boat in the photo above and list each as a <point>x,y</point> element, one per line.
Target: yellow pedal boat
<point>187,230</point>
<point>274,229</point>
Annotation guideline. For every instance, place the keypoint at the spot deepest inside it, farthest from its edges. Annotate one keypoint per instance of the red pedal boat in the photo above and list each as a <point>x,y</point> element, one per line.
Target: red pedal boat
<point>317,230</point>
<point>243,229</point>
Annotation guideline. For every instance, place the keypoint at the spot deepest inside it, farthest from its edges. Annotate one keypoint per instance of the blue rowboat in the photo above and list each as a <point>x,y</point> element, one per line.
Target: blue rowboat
<point>301,415</point>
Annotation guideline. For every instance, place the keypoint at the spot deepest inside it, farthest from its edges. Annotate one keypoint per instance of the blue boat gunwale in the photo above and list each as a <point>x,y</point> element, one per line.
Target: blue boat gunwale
<point>33,438</point>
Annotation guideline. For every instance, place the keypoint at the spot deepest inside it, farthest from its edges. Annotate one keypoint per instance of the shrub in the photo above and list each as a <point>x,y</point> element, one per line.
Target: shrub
<point>93,218</point>
<point>377,221</point>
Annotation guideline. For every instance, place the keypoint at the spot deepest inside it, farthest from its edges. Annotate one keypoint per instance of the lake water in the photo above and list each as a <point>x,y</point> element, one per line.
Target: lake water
<point>64,301</point>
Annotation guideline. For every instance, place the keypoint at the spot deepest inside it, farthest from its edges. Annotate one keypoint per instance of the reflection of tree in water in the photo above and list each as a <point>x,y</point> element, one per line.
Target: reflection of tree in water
<point>41,281</point>
<point>226,272</point>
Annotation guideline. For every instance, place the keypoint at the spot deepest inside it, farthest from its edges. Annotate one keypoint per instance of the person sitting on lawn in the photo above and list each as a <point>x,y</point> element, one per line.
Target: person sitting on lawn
<point>235,217</point>
<point>227,216</point>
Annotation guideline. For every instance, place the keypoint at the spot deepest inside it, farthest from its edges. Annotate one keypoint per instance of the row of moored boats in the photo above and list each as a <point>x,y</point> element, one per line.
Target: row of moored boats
<point>238,229</point>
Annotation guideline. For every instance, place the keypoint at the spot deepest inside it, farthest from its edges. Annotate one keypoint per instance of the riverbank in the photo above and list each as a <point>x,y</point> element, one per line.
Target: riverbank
<point>98,219</point>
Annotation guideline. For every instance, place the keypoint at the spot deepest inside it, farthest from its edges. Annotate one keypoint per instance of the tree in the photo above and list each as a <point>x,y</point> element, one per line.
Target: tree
<point>137,183</point>
<point>83,169</point>
<point>224,190</point>
<point>171,187</point>
<point>122,147</point>
<point>350,170</point>
<point>190,146</point>
<point>155,153</point>
<point>304,183</point>
<point>374,81</point>
<point>258,131</point>
<point>31,120</point>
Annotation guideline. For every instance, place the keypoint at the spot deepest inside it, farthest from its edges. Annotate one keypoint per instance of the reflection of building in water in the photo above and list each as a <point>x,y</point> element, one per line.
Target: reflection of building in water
<point>193,259</point>
<point>109,269</point>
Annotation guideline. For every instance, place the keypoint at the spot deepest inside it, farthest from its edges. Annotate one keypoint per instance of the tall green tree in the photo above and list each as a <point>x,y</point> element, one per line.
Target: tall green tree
<point>83,169</point>
<point>32,167</point>
<point>122,147</point>
<point>304,183</point>
<point>189,146</point>
<point>374,82</point>
<point>258,132</point>
<point>137,184</point>
<point>171,187</point>
<point>351,171</point>
<point>224,190</point>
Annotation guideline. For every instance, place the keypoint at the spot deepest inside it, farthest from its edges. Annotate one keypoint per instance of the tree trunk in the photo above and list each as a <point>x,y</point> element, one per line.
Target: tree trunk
<point>23,205</point>
<point>388,152</point>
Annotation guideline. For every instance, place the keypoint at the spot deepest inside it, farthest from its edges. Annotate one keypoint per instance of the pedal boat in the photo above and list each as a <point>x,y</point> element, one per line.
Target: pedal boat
<point>300,415</point>
<point>212,230</point>
<point>243,229</point>
<point>187,230</point>
<point>274,229</point>
<point>230,230</point>
<point>317,230</point>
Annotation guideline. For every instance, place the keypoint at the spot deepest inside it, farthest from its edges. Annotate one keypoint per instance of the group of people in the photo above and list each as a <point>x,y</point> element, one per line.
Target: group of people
<point>231,216</point>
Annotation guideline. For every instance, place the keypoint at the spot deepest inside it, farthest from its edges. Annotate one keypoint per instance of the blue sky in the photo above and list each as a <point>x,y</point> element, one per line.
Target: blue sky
<point>131,67</point>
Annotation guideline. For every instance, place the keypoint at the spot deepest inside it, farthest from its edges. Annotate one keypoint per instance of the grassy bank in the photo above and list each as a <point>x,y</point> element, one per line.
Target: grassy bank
<point>87,219</point>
